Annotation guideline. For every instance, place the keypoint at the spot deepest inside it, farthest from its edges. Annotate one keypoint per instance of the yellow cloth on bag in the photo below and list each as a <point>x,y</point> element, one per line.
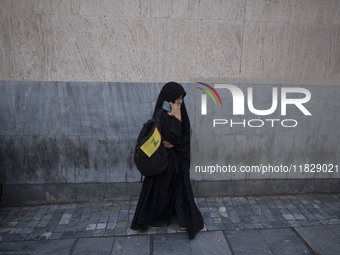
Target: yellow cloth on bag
<point>152,144</point>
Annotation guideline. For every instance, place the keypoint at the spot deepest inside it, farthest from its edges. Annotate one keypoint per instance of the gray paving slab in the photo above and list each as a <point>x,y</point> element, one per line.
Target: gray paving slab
<point>284,241</point>
<point>289,250</point>
<point>321,239</point>
<point>250,242</point>
<point>51,247</point>
<point>212,243</point>
<point>93,246</point>
<point>335,229</point>
<point>132,245</point>
<point>171,244</point>
<point>17,248</point>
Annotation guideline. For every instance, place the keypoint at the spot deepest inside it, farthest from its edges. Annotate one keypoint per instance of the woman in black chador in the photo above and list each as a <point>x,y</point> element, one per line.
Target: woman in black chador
<point>170,192</point>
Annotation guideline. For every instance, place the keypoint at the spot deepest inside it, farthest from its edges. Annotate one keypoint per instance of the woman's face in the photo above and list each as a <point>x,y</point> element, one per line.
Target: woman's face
<point>179,100</point>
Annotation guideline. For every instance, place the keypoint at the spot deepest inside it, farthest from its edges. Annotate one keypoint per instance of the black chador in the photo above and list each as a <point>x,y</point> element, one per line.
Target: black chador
<point>170,193</point>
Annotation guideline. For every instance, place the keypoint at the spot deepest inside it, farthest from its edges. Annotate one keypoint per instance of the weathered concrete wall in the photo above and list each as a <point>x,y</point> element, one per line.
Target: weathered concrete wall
<point>158,41</point>
<point>58,132</point>
<point>294,144</point>
<point>69,141</point>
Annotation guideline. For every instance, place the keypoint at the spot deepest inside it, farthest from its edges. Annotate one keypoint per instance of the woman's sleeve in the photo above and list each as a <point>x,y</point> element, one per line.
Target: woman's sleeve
<point>172,132</point>
<point>171,129</point>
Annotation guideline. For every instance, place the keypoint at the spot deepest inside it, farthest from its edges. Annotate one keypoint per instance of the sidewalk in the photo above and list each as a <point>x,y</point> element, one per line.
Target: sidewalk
<point>300,224</point>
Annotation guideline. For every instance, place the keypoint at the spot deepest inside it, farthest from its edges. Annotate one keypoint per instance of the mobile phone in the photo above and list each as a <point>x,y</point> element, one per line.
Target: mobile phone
<point>166,106</point>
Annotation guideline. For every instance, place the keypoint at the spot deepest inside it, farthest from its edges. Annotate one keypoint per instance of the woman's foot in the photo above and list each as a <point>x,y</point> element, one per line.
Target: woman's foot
<point>157,224</point>
<point>182,228</point>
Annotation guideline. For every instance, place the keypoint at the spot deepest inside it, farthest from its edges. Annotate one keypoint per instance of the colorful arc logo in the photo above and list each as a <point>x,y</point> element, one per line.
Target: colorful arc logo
<point>204,97</point>
<point>209,93</point>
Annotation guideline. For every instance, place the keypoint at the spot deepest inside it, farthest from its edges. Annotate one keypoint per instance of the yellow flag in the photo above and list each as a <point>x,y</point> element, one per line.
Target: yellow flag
<point>152,144</point>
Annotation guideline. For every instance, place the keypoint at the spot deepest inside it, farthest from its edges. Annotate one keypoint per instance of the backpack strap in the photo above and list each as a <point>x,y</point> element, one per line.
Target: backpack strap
<point>158,114</point>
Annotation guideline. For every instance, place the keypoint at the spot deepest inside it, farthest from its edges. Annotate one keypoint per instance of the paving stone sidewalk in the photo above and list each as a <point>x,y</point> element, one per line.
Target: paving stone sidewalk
<point>300,224</point>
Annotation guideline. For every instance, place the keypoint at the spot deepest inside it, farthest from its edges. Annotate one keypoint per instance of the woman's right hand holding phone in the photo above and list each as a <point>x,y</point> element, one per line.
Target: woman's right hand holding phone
<point>175,110</point>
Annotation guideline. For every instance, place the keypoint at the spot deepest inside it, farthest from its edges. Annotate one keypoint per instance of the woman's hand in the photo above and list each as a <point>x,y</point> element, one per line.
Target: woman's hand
<point>167,144</point>
<point>175,110</point>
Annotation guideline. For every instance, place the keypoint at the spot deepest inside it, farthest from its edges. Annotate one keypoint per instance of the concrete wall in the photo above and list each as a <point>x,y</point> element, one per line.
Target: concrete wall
<point>75,75</point>
<point>58,132</point>
<point>74,141</point>
<point>158,41</point>
<point>290,146</point>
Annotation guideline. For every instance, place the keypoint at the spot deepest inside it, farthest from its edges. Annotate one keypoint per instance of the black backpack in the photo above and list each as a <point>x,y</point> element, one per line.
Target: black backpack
<point>150,136</point>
